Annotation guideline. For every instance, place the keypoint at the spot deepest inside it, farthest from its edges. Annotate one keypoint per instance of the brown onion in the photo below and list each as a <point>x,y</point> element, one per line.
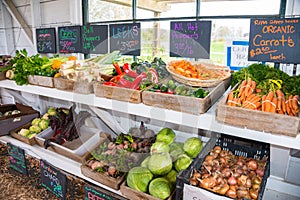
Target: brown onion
<point>231,193</point>
<point>260,172</point>
<point>193,181</point>
<point>256,186</point>
<point>226,172</point>
<point>248,183</point>
<point>241,193</point>
<point>256,180</point>
<point>217,149</point>
<point>196,175</point>
<point>223,189</point>
<point>252,164</point>
<point>253,193</point>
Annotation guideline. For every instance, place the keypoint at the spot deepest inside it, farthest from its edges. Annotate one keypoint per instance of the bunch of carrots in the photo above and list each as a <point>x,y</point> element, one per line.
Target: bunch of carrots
<point>248,96</point>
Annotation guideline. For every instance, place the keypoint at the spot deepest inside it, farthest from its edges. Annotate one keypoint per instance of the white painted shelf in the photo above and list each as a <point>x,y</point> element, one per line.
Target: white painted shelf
<point>204,121</point>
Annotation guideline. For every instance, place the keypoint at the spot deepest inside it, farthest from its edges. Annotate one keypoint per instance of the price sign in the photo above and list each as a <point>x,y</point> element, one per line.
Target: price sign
<point>190,39</point>
<point>17,159</point>
<point>69,39</point>
<point>91,193</point>
<point>46,40</point>
<point>126,38</point>
<point>94,39</point>
<point>275,40</point>
<point>53,180</point>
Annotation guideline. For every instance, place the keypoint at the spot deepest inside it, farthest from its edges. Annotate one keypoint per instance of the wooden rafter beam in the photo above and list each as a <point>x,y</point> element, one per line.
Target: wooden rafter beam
<point>17,16</point>
<point>151,5</point>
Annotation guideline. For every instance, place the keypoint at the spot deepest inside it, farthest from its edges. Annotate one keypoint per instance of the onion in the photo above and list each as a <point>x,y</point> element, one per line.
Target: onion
<point>242,180</point>
<point>248,183</point>
<point>256,180</point>
<point>256,186</point>
<point>223,160</point>
<point>231,193</point>
<point>253,193</point>
<point>241,193</point>
<point>226,172</point>
<point>232,180</point>
<point>217,149</point>
<point>260,172</point>
<point>193,181</point>
<point>196,175</point>
<point>252,164</point>
<point>223,189</point>
<point>223,153</point>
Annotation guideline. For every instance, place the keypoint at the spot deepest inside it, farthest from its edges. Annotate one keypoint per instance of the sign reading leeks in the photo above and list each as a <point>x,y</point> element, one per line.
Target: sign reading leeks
<point>126,38</point>
<point>17,159</point>
<point>190,39</point>
<point>46,40</point>
<point>94,39</point>
<point>53,180</point>
<point>275,40</point>
<point>69,38</point>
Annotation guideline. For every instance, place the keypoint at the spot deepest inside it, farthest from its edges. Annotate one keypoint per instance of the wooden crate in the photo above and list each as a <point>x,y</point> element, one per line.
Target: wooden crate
<point>83,87</point>
<point>14,134</point>
<point>133,194</point>
<point>118,93</point>
<point>185,104</point>
<point>100,177</point>
<point>63,84</point>
<point>2,76</point>
<point>44,81</point>
<point>257,120</point>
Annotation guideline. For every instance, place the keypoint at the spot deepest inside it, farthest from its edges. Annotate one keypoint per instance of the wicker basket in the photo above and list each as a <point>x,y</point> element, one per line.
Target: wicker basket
<point>199,82</point>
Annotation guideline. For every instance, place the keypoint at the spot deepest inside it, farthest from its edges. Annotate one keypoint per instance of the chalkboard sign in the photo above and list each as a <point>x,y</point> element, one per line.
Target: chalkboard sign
<point>69,39</point>
<point>126,38</point>
<point>17,159</point>
<point>46,40</point>
<point>275,40</point>
<point>94,39</point>
<point>91,193</point>
<point>190,39</point>
<point>53,180</point>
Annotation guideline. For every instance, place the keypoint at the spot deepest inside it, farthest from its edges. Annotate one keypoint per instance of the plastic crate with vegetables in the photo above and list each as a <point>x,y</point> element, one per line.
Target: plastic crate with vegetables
<point>228,166</point>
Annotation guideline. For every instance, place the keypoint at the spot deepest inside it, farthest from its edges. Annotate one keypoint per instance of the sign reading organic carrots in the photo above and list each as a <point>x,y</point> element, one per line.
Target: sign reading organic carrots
<point>275,40</point>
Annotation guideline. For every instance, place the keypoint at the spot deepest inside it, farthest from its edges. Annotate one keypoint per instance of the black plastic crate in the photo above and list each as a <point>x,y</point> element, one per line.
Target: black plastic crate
<point>239,147</point>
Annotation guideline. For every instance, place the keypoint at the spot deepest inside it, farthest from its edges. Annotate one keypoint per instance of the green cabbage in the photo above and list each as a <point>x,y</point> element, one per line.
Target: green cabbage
<point>165,135</point>
<point>35,129</point>
<point>171,176</point>
<point>35,121</point>
<point>159,147</point>
<point>138,178</point>
<point>192,146</point>
<point>160,188</point>
<point>160,163</point>
<point>183,162</point>
<point>145,162</point>
<point>176,149</point>
<point>43,124</point>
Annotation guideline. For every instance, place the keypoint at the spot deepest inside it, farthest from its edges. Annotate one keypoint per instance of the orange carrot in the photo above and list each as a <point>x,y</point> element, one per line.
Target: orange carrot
<point>263,102</point>
<point>248,86</point>
<point>242,88</point>
<point>268,101</point>
<point>252,87</point>
<point>295,102</point>
<point>274,105</point>
<point>288,109</point>
<point>230,98</point>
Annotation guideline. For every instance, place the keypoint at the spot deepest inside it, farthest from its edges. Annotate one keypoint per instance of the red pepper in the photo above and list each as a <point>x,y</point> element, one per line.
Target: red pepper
<point>118,68</point>
<point>154,75</point>
<point>116,79</point>
<point>124,83</point>
<point>128,71</point>
<point>110,83</point>
<point>136,83</point>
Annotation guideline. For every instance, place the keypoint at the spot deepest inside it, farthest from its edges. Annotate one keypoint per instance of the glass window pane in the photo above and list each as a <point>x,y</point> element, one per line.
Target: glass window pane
<point>105,11</point>
<point>253,7</point>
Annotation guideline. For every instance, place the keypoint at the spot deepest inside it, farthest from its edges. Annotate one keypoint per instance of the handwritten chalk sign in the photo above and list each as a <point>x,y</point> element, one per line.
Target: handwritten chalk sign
<point>190,39</point>
<point>53,180</point>
<point>94,39</point>
<point>46,40</point>
<point>97,193</point>
<point>69,39</point>
<point>126,38</point>
<point>17,159</point>
<point>275,40</point>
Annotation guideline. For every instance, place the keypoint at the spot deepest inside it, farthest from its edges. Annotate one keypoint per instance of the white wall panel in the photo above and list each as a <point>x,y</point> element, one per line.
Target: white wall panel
<point>56,13</point>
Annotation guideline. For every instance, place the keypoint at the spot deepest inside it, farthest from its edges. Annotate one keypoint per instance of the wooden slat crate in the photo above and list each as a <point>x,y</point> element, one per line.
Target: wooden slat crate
<point>257,120</point>
<point>185,104</point>
<point>14,134</point>
<point>118,93</point>
<point>44,81</point>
